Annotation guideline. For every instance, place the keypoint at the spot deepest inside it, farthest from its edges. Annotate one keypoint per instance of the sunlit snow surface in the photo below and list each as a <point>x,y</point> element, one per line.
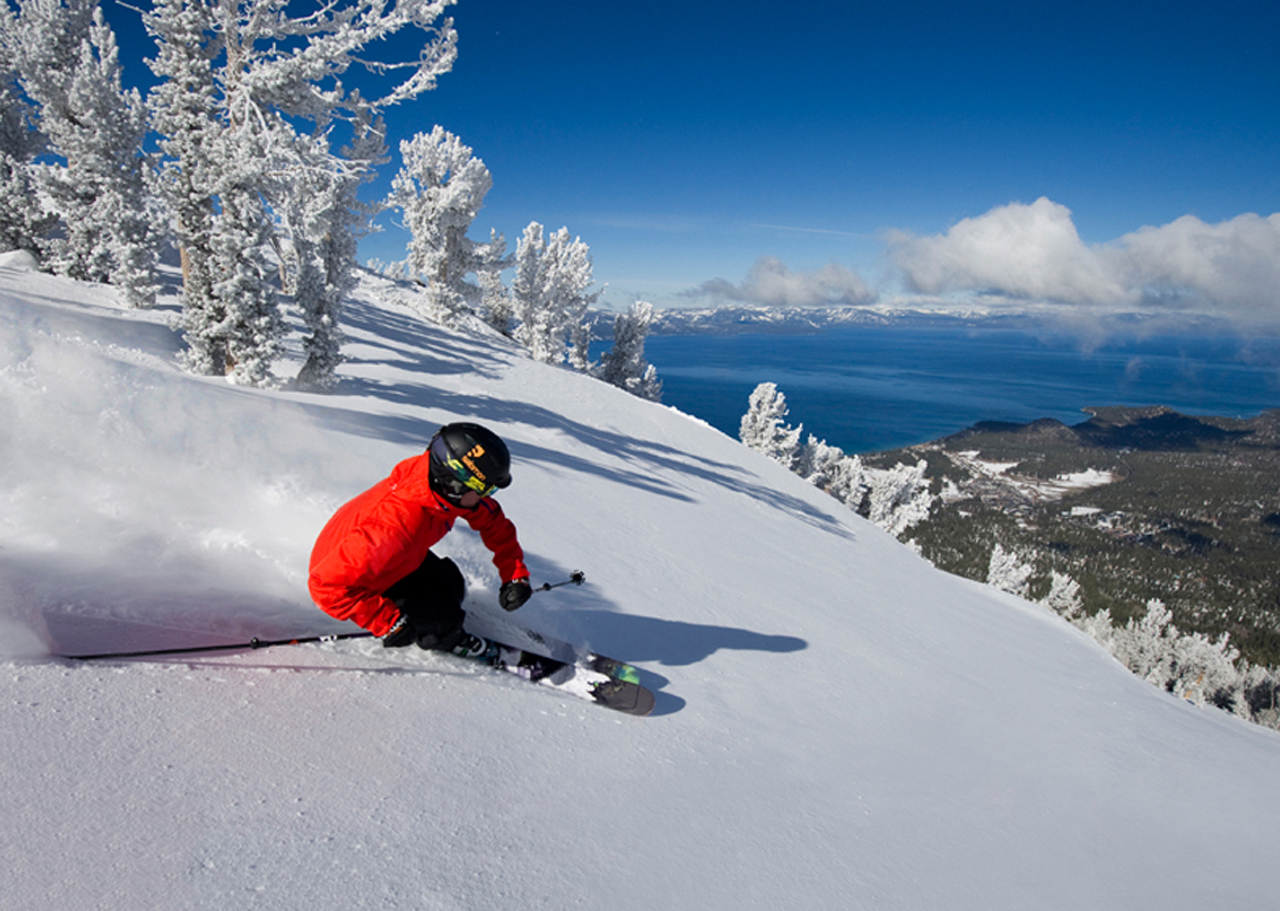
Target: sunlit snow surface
<point>838,726</point>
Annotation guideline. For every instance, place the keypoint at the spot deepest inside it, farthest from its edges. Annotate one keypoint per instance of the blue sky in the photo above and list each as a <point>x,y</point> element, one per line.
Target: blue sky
<point>695,141</point>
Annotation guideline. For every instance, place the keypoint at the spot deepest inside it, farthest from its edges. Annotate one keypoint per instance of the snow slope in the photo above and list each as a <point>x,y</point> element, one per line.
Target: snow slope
<point>839,724</point>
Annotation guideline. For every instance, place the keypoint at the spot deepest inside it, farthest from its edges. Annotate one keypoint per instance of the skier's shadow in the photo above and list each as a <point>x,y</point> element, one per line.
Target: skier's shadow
<point>674,643</point>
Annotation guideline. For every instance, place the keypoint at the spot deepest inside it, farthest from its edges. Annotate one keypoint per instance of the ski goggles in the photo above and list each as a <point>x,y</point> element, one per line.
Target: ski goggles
<point>462,480</point>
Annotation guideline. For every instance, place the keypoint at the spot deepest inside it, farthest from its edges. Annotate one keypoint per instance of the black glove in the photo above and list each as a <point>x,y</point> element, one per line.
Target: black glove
<point>401,634</point>
<point>515,593</point>
<point>438,633</point>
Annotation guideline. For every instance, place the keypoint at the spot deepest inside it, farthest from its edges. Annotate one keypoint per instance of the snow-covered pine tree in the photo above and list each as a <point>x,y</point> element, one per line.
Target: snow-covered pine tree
<point>441,188</point>
<point>528,289</point>
<point>815,461</point>
<point>250,334</point>
<point>1189,665</point>
<point>551,292</point>
<point>184,113</point>
<point>764,427</point>
<point>579,351</point>
<point>898,498</point>
<point>496,305</point>
<point>826,467</point>
<point>1009,571</point>
<point>573,296</point>
<point>50,35</point>
<point>97,128</point>
<point>23,225</point>
<point>17,117</point>
<point>324,218</point>
<point>847,481</point>
<point>624,364</point>
<point>1064,597</point>
<point>237,76</point>
<point>44,45</point>
<point>23,222</point>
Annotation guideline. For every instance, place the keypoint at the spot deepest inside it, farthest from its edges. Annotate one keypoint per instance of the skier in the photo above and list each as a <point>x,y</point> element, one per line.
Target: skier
<point>373,562</point>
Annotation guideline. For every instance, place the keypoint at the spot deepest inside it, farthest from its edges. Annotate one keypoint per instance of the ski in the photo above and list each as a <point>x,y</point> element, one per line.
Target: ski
<point>543,644</point>
<point>606,681</point>
<point>531,640</point>
<point>618,670</point>
<point>560,650</point>
<point>564,676</point>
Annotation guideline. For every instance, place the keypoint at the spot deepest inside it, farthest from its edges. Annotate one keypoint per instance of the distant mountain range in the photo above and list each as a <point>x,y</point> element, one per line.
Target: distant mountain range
<point>801,320</point>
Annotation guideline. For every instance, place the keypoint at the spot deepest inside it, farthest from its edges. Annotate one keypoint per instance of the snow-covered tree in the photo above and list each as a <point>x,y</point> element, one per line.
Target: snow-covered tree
<point>23,221</point>
<point>250,335</point>
<point>71,67</point>
<point>898,498</point>
<point>579,350</point>
<point>17,116</point>
<point>1009,571</point>
<point>237,79</point>
<point>1064,597</point>
<point>441,188</point>
<point>1013,571</point>
<point>185,115</point>
<point>527,290</point>
<point>552,292</point>
<point>818,463</point>
<point>45,39</point>
<point>846,481</point>
<point>764,428</point>
<point>624,364</point>
<point>1191,666</point>
<point>497,308</point>
<point>324,219</point>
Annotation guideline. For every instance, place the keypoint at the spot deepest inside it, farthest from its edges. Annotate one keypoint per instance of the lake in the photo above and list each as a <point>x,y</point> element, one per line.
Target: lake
<point>872,388</point>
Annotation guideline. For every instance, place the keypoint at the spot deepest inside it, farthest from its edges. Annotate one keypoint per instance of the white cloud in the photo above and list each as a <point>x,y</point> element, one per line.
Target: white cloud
<point>1030,256</point>
<point>1234,264</point>
<point>771,283</point>
<point>1032,253</point>
<point>1021,251</point>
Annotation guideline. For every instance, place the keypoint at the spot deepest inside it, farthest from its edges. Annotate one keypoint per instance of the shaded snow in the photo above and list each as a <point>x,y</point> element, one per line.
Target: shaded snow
<point>839,724</point>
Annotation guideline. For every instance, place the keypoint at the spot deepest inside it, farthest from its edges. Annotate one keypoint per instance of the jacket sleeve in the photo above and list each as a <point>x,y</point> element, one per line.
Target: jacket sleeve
<point>499,535</point>
<point>341,582</point>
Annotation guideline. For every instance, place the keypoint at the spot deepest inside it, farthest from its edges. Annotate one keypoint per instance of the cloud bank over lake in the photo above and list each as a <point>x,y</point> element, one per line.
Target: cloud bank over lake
<point>1030,256</point>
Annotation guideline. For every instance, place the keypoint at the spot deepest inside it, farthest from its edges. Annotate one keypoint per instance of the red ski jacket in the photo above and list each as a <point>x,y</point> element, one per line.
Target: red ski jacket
<point>384,534</point>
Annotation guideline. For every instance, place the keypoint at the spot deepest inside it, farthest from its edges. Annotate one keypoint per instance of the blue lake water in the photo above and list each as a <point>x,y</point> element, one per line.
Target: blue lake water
<point>872,388</point>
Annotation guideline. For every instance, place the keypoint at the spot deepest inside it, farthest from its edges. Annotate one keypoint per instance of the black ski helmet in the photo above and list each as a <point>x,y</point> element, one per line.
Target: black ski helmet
<point>467,457</point>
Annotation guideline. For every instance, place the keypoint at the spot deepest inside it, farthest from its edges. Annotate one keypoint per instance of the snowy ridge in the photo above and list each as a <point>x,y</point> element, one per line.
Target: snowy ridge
<point>839,725</point>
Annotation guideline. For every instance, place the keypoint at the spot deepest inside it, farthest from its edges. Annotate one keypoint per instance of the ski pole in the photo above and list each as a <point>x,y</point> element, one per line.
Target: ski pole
<point>253,643</point>
<point>577,577</point>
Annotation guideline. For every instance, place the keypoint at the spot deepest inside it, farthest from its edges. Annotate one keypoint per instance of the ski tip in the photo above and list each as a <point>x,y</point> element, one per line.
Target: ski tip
<point>624,696</point>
